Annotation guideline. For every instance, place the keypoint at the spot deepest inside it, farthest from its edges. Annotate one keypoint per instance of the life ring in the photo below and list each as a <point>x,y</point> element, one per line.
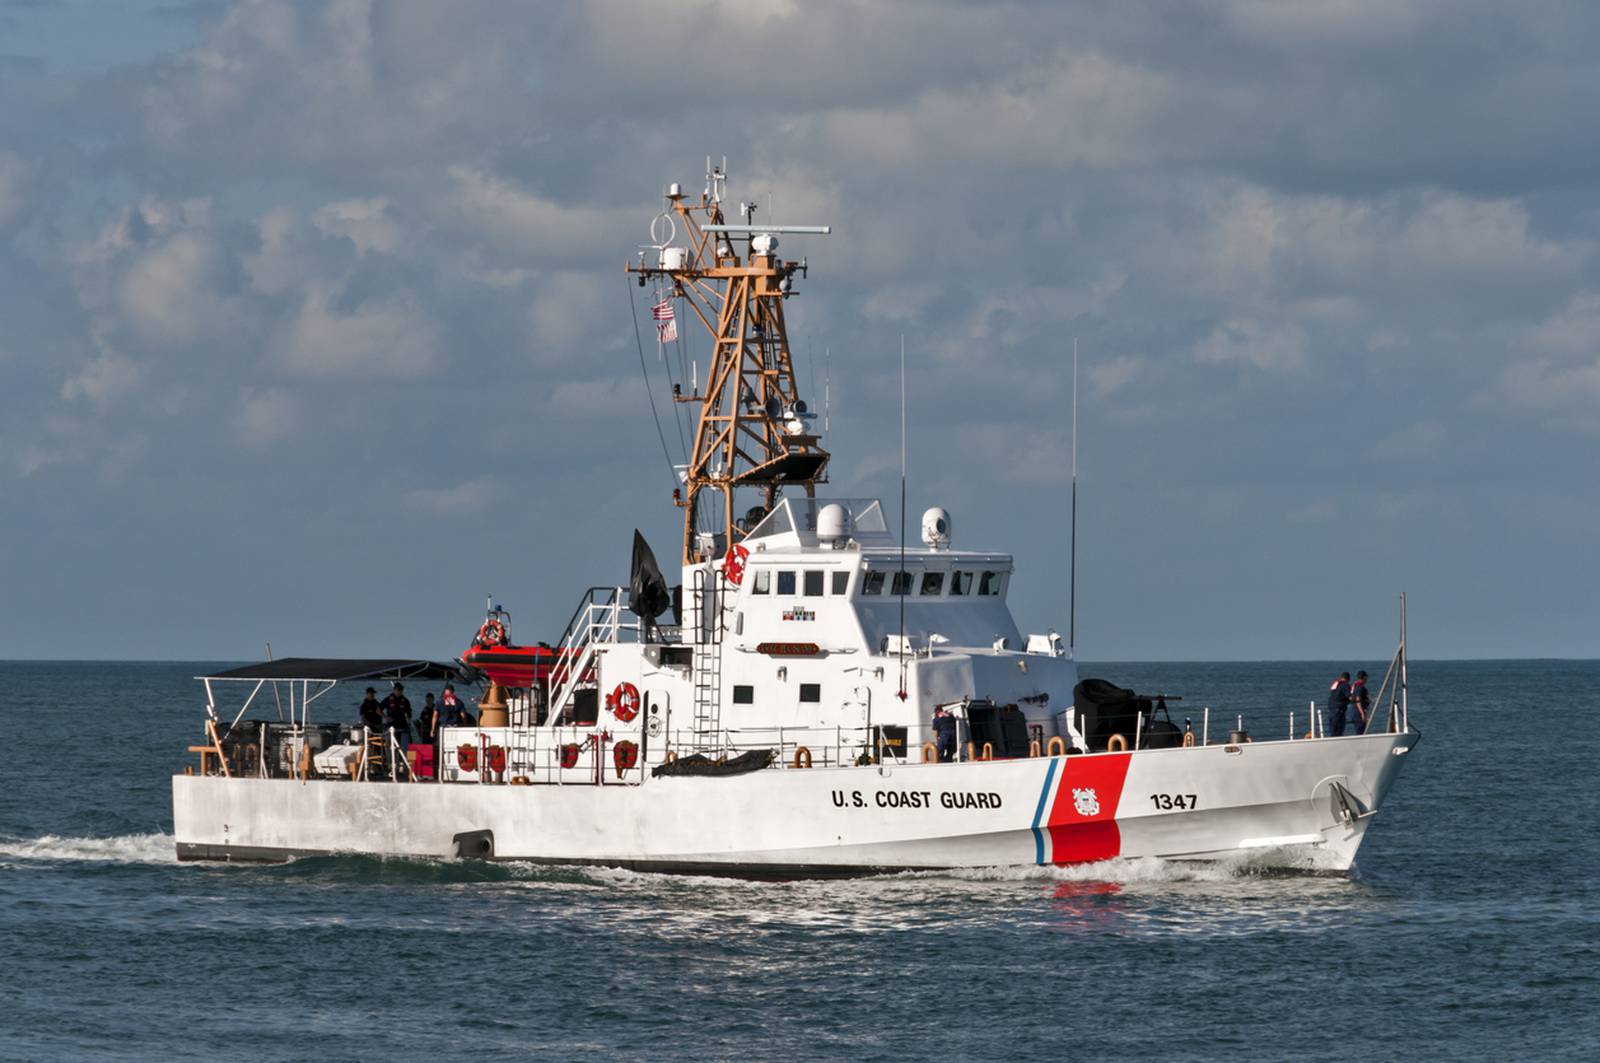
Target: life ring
<point>496,759</point>
<point>930,753</point>
<point>569,754</point>
<point>1056,747</point>
<point>492,633</point>
<point>1188,740</point>
<point>802,757</point>
<point>624,755</point>
<point>733,564</point>
<point>624,702</point>
<point>1117,744</point>
<point>467,756</point>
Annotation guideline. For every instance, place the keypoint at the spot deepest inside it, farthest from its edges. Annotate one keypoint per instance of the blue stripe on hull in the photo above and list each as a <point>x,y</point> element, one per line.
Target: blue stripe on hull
<point>1038,814</point>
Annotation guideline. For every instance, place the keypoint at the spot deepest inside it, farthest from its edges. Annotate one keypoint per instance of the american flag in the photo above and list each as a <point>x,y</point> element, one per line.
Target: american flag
<point>666,321</point>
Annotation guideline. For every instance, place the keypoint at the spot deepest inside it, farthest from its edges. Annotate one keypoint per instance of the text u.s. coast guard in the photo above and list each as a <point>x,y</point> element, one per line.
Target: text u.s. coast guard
<point>915,799</point>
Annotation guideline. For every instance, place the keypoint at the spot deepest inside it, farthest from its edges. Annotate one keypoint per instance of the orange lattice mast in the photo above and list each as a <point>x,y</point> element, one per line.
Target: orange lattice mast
<point>754,431</point>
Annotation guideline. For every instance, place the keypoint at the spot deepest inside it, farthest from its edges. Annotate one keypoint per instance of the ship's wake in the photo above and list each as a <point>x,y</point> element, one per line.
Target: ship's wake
<point>120,849</point>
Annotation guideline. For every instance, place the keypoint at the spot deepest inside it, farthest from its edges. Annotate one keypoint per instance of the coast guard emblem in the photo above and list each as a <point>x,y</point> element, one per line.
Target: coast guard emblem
<point>1086,801</point>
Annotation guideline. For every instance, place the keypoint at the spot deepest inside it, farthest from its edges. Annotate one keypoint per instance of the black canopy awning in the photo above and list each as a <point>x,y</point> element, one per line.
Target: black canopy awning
<point>343,669</point>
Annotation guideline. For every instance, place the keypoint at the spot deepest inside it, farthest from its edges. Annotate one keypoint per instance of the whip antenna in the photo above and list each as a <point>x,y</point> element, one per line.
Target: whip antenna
<point>900,577</point>
<point>1072,593</point>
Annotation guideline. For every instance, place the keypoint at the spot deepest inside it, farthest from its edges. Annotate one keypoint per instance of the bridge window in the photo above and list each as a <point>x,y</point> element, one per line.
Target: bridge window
<point>841,583</point>
<point>990,583</point>
<point>932,584</point>
<point>902,584</point>
<point>811,692</point>
<point>763,582</point>
<point>744,694</point>
<point>960,583</point>
<point>786,581</point>
<point>814,583</point>
<point>873,583</point>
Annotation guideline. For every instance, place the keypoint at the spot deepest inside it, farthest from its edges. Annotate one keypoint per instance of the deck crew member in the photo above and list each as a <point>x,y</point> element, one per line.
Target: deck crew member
<point>454,711</point>
<point>1338,704</point>
<point>944,731</point>
<point>397,709</point>
<point>1362,700</point>
<point>428,722</point>
<point>372,712</point>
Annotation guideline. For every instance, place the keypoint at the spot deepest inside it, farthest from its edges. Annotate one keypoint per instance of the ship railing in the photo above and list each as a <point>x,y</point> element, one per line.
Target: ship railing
<point>598,621</point>
<point>537,756</point>
<point>816,746</point>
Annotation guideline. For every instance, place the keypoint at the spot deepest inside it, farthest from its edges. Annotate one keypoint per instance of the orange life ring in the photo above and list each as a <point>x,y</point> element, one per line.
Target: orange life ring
<point>733,564</point>
<point>467,756</point>
<point>624,702</point>
<point>492,633</point>
<point>624,755</point>
<point>496,759</point>
<point>569,754</point>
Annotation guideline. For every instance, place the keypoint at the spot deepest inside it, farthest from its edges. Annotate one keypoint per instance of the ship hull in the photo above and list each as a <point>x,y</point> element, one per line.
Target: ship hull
<point>1299,804</point>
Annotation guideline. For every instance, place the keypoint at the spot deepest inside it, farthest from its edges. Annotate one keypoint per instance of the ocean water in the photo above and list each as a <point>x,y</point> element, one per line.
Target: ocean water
<point>1470,929</point>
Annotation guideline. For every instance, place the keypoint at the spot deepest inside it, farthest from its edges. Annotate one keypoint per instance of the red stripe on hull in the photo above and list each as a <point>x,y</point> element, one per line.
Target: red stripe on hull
<point>1083,825</point>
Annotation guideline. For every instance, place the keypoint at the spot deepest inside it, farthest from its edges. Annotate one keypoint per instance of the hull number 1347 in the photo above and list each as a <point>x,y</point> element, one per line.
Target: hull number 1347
<point>1168,802</point>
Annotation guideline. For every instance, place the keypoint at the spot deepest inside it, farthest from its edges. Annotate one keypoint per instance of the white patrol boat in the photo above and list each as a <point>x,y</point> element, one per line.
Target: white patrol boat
<point>779,712</point>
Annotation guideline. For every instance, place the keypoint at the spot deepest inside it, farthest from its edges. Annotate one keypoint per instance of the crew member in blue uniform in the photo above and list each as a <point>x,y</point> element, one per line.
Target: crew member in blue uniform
<point>944,731</point>
<point>1338,704</point>
<point>1362,700</point>
<point>397,708</point>
<point>371,712</point>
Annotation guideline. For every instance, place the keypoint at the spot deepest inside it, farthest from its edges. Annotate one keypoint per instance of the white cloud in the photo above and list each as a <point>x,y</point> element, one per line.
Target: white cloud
<point>12,173</point>
<point>1415,441</point>
<point>1108,377</point>
<point>101,380</point>
<point>497,208</point>
<point>567,306</point>
<point>1325,21</point>
<point>282,261</point>
<point>462,499</point>
<point>167,293</point>
<point>1575,329</point>
<point>391,337</point>
<point>1568,396</point>
<point>365,222</point>
<point>1277,346</point>
<point>266,415</point>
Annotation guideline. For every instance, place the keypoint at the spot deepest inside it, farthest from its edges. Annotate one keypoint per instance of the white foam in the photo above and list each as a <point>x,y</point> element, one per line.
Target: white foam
<point>123,849</point>
<point>1127,871</point>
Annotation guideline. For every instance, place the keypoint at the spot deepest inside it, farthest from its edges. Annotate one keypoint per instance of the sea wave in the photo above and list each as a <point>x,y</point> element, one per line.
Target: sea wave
<point>121,849</point>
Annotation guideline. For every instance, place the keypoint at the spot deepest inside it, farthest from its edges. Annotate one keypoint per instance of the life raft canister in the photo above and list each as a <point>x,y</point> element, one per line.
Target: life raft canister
<point>467,756</point>
<point>624,702</point>
<point>492,633</point>
<point>496,759</point>
<point>733,564</point>
<point>624,755</point>
<point>569,754</point>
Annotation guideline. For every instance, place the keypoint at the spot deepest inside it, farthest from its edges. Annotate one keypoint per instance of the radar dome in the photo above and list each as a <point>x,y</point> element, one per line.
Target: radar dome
<point>833,523</point>
<point>936,527</point>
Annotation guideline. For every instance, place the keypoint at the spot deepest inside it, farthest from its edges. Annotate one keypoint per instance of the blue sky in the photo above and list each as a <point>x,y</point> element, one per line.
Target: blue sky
<point>313,327</point>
